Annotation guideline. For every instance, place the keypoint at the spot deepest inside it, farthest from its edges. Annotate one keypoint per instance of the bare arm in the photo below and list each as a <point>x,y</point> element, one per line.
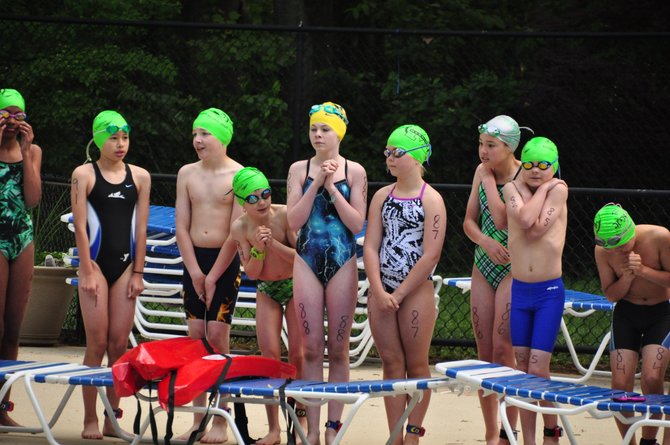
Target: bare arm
<point>525,213</point>
<point>495,203</point>
<point>183,224</point>
<point>143,184</point>
<point>287,253</point>
<point>472,214</point>
<point>614,288</point>
<point>238,235</point>
<point>660,277</point>
<point>82,181</point>
<point>435,228</point>
<point>552,209</point>
<point>298,205</point>
<point>352,213</point>
<point>32,165</point>
<point>373,241</point>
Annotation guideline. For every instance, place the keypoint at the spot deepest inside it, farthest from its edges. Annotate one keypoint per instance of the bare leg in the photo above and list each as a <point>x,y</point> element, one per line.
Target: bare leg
<point>528,418</point>
<point>121,311</point>
<point>269,318</point>
<point>15,285</point>
<point>218,334</point>
<point>196,329</point>
<point>94,310</point>
<point>295,349</point>
<point>623,363</point>
<point>654,364</point>
<point>482,314</point>
<point>538,365</point>
<point>503,352</point>
<point>308,300</point>
<point>341,295</point>
<point>403,341</point>
<point>490,322</point>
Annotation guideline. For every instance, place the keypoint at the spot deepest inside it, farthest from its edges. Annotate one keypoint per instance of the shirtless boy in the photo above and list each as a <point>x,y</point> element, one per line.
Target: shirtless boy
<point>264,241</point>
<point>537,219</point>
<point>203,217</point>
<point>634,268</point>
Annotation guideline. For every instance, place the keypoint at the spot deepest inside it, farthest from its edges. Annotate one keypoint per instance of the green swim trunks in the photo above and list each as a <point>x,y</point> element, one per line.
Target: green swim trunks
<point>280,291</point>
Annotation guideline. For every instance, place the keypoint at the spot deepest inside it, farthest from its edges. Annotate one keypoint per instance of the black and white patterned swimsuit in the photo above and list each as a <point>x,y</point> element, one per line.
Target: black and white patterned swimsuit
<point>402,240</point>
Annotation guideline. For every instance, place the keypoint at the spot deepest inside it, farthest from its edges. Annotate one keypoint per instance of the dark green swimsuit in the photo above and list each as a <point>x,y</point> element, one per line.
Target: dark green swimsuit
<point>16,227</point>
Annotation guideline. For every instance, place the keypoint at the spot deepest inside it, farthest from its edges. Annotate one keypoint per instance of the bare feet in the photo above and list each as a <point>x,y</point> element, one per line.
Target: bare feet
<point>330,435</point>
<point>5,420</point>
<point>109,431</point>
<point>218,433</point>
<point>91,430</point>
<point>313,439</point>
<point>272,438</point>
<point>187,434</point>
<point>411,439</point>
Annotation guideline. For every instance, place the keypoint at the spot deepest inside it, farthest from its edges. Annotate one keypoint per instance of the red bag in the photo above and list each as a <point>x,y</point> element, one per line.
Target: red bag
<point>153,360</point>
<point>197,365</point>
<point>200,375</point>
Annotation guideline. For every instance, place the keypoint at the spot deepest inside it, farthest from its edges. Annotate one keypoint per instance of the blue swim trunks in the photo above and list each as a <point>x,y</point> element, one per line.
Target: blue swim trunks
<point>537,309</point>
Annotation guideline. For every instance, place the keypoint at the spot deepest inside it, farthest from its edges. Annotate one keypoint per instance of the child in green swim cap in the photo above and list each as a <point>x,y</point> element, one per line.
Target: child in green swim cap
<point>110,206</point>
<point>634,268</point>
<point>264,240</point>
<point>204,214</point>
<point>536,204</point>
<point>20,190</point>
<point>407,223</point>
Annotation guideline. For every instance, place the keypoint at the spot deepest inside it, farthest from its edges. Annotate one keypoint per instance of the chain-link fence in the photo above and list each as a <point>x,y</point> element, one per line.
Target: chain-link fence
<point>453,327</point>
<point>600,97</point>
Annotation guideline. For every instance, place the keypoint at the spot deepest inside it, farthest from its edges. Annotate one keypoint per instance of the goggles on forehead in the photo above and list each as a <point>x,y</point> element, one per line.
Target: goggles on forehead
<point>329,109</point>
<point>400,152</point>
<point>253,199</point>
<point>20,116</point>
<point>490,130</point>
<point>542,165</point>
<point>113,129</point>
<point>613,240</point>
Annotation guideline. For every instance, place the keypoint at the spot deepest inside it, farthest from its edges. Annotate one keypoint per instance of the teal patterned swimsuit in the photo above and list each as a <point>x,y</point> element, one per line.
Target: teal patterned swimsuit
<point>494,273</point>
<point>16,227</point>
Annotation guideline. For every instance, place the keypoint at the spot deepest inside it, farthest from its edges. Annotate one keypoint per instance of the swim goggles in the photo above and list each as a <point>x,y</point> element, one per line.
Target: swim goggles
<point>542,165</point>
<point>113,129</point>
<point>20,116</point>
<point>491,131</point>
<point>253,199</point>
<point>329,109</point>
<point>400,152</point>
<point>613,240</point>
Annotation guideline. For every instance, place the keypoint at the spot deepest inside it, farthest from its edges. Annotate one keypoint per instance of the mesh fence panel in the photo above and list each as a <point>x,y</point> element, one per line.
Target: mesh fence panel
<point>601,98</point>
<point>453,327</point>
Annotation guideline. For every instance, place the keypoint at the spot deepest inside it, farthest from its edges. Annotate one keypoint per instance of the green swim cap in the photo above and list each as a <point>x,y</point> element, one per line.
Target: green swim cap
<point>216,122</point>
<point>613,226</point>
<point>247,181</point>
<point>106,124</point>
<point>540,149</point>
<point>11,98</point>
<point>413,139</point>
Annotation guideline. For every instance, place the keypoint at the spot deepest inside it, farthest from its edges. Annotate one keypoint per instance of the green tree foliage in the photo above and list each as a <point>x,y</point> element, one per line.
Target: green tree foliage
<point>135,58</point>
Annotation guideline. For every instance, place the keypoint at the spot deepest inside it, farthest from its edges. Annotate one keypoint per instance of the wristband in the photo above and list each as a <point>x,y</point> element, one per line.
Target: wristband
<point>333,198</point>
<point>256,254</point>
<point>141,272</point>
